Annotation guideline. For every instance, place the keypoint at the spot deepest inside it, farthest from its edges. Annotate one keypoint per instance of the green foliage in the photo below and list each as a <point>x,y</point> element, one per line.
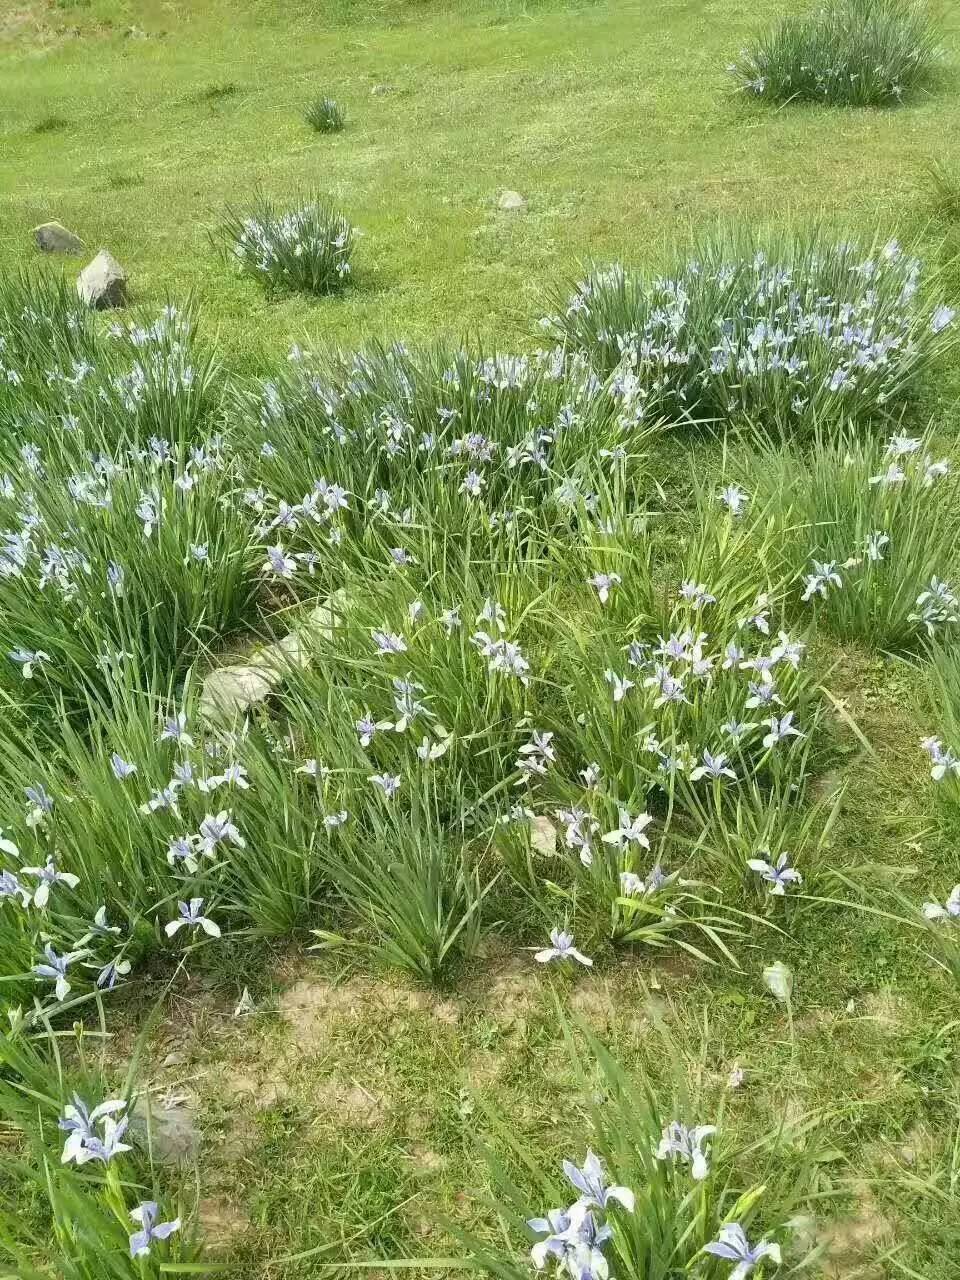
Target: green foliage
<point>762,1184</point>
<point>862,53</point>
<point>142,377</point>
<point>410,882</point>
<point>324,115</point>
<point>941,184</point>
<point>80,1225</point>
<point>577,483</point>
<point>51,124</point>
<point>217,91</point>
<point>784,332</point>
<point>886,520</point>
<point>305,248</point>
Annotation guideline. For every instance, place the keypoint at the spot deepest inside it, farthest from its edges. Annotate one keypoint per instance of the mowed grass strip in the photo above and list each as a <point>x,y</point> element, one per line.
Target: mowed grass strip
<point>618,123</point>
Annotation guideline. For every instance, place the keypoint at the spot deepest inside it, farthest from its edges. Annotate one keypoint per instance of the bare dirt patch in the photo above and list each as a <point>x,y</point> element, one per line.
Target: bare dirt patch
<point>852,1241</point>
<point>316,1009</point>
<point>256,1091</point>
<point>25,23</point>
<point>349,1102</point>
<point>312,1007</point>
<point>512,990</point>
<point>222,1223</point>
<point>885,1010</point>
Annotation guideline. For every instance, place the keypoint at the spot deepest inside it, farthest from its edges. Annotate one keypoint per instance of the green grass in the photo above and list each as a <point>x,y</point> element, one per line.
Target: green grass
<point>360,1113</point>
<point>863,53</point>
<point>616,142</point>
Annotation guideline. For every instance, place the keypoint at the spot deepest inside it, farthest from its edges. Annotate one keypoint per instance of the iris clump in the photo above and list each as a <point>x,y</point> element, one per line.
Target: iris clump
<point>862,53</point>
<point>519,690</point>
<point>324,115</point>
<point>864,529</point>
<point>784,334</point>
<point>78,1153</point>
<point>134,553</point>
<point>649,1181</point>
<point>59,373</point>
<point>307,248</point>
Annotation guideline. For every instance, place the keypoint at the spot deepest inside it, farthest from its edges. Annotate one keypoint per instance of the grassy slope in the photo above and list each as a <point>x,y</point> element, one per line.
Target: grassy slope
<point>616,121</point>
<point>617,125</point>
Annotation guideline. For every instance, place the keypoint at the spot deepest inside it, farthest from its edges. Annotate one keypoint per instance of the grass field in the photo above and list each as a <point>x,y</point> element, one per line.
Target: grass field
<point>618,123</point>
<point>394,1097</point>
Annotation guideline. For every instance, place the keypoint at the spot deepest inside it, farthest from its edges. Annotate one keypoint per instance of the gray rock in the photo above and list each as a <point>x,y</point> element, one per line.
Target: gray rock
<point>52,237</point>
<point>229,692</point>
<point>543,837</point>
<point>166,1127</point>
<point>318,625</point>
<point>512,201</point>
<point>103,282</point>
<point>286,653</point>
<point>321,622</point>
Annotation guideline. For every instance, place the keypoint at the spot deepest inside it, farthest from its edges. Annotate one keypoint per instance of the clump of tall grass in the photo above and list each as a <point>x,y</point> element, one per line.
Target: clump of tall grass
<point>82,1199</point>
<point>862,53</point>
<point>942,923</point>
<point>865,529</point>
<point>943,682</point>
<point>44,329</point>
<point>121,533</point>
<point>784,333</point>
<point>508,647</point>
<point>940,667</point>
<point>307,248</point>
<point>140,554</point>
<point>665,1185</point>
<point>409,883</point>
<point>482,467</point>
<point>941,185</point>
<point>145,376</point>
<point>324,115</point>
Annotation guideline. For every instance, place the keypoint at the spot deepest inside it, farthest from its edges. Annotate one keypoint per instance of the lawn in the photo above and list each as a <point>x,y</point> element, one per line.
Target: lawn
<point>617,123</point>
<point>500,614</point>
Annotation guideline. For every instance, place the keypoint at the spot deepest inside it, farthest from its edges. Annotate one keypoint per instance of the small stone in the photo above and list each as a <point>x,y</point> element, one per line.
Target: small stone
<point>245,1006</point>
<point>322,621</point>
<point>229,692</point>
<point>286,653</point>
<point>167,1127</point>
<point>53,237</point>
<point>543,837</point>
<point>103,282</point>
<point>779,981</point>
<point>319,625</point>
<point>512,201</point>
